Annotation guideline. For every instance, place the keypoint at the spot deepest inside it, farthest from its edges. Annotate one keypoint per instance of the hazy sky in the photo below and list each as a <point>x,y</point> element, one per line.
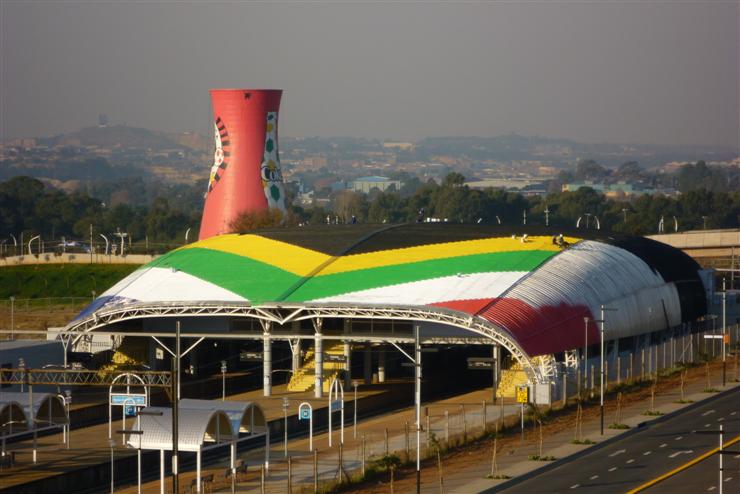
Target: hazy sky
<point>648,72</point>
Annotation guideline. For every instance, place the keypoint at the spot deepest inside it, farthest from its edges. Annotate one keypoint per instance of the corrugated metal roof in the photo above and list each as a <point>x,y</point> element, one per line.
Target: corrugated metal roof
<point>242,414</point>
<point>195,428</point>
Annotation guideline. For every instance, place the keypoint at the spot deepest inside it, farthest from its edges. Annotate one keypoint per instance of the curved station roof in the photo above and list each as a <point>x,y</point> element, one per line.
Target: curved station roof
<point>532,287</point>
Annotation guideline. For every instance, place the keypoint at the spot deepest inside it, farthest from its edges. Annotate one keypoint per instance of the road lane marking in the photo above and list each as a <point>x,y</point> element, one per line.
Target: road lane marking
<point>646,453</point>
<point>707,413</point>
<point>733,413</point>
<point>711,488</point>
<point>681,468</point>
<point>687,452</point>
<point>707,425</point>
<point>728,479</point>
<point>630,461</point>
<point>617,453</point>
<point>593,477</point>
<point>663,445</point>
<point>678,438</point>
<point>576,486</point>
<point>720,419</point>
<point>612,469</point>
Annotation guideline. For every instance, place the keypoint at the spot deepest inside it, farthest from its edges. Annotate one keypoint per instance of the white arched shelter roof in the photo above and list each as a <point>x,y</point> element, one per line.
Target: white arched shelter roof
<point>245,416</point>
<point>44,409</point>
<point>196,428</point>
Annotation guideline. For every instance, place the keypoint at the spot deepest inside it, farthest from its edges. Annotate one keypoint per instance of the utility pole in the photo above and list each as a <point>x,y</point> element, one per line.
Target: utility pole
<point>175,404</point>
<point>601,400</point>
<point>724,332</point>
<point>417,400</point>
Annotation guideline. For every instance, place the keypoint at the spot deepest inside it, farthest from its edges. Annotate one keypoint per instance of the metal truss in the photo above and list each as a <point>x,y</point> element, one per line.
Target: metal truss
<point>151,379</point>
<point>282,314</point>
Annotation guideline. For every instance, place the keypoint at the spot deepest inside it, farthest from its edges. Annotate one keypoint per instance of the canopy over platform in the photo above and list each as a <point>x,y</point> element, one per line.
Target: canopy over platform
<point>246,417</point>
<point>46,409</point>
<point>197,428</point>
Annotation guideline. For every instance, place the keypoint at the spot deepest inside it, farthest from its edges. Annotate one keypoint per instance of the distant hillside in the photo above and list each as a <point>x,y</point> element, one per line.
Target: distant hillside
<point>121,136</point>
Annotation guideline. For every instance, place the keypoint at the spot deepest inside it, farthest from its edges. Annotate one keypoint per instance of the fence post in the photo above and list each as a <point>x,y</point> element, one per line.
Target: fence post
<point>385,439</point>
<point>465,424</point>
<point>429,433</point>
<point>485,422</point>
<point>447,428</point>
<point>290,476</point>
<point>316,465</point>
<point>642,364</point>
<point>565,388</point>
<point>406,433</point>
<point>262,478</point>
<point>619,370</point>
<point>364,454</point>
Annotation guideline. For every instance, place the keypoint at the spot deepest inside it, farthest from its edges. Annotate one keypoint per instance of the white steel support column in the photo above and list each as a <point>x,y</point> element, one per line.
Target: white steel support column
<point>347,364</point>
<point>367,368</point>
<point>381,365</point>
<point>161,471</point>
<point>266,361</point>
<point>318,360</point>
<point>197,471</point>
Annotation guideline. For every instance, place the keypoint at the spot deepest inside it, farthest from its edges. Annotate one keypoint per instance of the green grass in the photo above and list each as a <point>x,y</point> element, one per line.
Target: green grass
<point>619,426</point>
<point>652,413</point>
<point>60,280</point>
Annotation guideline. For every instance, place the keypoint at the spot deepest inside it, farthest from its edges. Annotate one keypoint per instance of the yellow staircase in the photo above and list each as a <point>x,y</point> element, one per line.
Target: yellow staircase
<point>305,378</point>
<point>510,379</point>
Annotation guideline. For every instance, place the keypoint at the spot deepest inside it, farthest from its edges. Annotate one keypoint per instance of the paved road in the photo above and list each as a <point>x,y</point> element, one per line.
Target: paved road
<point>657,448</point>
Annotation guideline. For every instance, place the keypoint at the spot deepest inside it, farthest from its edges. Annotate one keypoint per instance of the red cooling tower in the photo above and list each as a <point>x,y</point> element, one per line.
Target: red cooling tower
<point>245,175</point>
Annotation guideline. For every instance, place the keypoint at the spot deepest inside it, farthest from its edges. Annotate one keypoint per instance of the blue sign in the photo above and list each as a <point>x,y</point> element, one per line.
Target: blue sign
<point>125,399</point>
<point>130,410</point>
<point>304,412</point>
<point>336,405</point>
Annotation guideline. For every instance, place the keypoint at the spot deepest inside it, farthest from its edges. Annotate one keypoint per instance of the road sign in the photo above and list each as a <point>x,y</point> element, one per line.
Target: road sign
<point>330,357</point>
<point>336,405</point>
<point>128,399</point>
<point>250,357</point>
<point>522,394</point>
<point>129,410</point>
<point>304,411</point>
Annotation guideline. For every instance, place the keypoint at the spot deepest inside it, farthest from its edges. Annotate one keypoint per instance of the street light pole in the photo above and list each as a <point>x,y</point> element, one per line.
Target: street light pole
<point>417,400</point>
<point>12,318</point>
<point>601,401</point>
<point>585,353</point>
<point>724,332</point>
<point>223,380</point>
<point>286,404</point>
<point>355,382</point>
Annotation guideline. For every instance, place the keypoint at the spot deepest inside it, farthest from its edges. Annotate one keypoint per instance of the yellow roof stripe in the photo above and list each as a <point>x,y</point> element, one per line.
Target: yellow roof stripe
<point>297,260</point>
<point>439,251</point>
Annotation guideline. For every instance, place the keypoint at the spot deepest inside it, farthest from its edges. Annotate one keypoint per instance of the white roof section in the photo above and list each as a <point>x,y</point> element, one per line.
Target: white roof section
<point>46,408</point>
<point>245,416</point>
<point>196,428</point>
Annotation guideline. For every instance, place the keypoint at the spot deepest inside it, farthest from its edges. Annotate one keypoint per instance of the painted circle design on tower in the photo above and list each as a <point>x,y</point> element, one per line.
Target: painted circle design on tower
<point>220,154</point>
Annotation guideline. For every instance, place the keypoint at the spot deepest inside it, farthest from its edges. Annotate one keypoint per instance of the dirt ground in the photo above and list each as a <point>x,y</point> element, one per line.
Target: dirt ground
<point>559,420</point>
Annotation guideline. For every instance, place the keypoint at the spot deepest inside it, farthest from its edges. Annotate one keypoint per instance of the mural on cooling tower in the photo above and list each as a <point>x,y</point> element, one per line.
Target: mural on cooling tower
<point>272,177</point>
<point>531,287</point>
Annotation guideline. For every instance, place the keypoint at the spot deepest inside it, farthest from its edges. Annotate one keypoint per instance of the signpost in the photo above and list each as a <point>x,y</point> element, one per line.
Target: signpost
<point>522,397</point>
<point>129,401</point>
<point>305,412</point>
<point>336,403</point>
